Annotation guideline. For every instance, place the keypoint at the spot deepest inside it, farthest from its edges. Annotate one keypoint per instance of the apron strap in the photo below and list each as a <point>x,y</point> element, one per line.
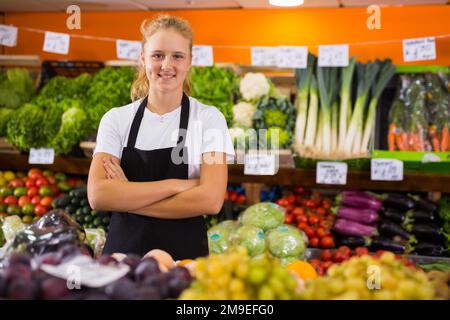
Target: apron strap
<point>184,120</point>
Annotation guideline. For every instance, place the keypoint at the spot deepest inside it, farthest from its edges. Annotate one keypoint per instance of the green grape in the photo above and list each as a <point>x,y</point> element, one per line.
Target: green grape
<point>266,293</point>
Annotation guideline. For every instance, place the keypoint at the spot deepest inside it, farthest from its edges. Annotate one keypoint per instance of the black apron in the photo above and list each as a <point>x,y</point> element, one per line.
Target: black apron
<point>132,233</point>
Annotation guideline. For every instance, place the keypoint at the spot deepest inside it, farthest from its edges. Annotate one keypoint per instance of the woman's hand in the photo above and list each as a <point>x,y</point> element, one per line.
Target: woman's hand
<point>113,169</point>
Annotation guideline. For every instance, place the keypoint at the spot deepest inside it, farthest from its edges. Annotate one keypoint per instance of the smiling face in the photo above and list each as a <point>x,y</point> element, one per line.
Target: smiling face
<point>167,58</point>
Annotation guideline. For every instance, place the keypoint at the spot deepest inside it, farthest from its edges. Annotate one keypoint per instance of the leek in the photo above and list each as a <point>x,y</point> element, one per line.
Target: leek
<point>346,93</point>
<point>312,113</point>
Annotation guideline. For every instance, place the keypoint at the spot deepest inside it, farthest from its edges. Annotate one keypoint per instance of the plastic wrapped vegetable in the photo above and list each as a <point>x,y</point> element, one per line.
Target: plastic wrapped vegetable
<point>285,241</point>
<point>231,224</point>
<point>96,239</point>
<point>11,226</point>
<point>252,238</point>
<point>264,215</point>
<point>219,238</point>
<point>52,231</point>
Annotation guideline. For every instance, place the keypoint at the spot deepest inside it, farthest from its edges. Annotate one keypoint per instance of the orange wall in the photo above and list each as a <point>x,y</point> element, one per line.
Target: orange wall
<point>247,27</point>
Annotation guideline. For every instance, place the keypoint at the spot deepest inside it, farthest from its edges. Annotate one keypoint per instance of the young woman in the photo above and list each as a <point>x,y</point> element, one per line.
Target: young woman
<point>160,162</point>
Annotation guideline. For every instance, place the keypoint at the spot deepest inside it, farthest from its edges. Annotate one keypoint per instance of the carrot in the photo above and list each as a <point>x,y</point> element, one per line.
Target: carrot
<point>404,139</point>
<point>391,137</point>
<point>434,138</point>
<point>445,139</point>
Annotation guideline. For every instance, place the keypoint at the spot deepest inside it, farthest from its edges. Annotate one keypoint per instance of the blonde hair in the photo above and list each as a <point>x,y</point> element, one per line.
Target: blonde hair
<point>140,86</point>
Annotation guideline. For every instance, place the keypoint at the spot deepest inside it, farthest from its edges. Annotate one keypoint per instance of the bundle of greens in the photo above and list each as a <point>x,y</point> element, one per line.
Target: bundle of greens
<point>214,86</point>
<point>16,88</point>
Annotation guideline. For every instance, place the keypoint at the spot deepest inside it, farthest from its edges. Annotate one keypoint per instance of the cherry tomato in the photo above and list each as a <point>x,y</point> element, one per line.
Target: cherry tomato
<point>300,219</point>
<point>321,233</point>
<point>283,202</point>
<point>23,200</point>
<point>321,211</point>
<point>314,242</point>
<point>241,199</point>
<point>313,219</point>
<point>345,250</point>
<point>40,210</point>
<point>291,199</point>
<point>302,226</point>
<point>360,251</point>
<point>46,201</point>
<point>327,264</point>
<point>288,219</point>
<point>326,255</point>
<point>327,242</point>
<point>309,232</point>
<point>33,191</point>
<point>326,204</point>
<point>298,211</point>
<point>311,204</point>
<point>233,196</point>
<point>290,207</point>
<point>338,257</point>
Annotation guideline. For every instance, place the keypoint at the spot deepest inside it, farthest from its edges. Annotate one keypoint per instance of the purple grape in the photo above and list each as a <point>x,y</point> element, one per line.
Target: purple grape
<point>19,271</point>
<point>54,288</point>
<point>122,289</point>
<point>176,286</point>
<point>149,293</point>
<point>145,269</point>
<point>181,272</point>
<point>19,258</point>
<point>20,289</point>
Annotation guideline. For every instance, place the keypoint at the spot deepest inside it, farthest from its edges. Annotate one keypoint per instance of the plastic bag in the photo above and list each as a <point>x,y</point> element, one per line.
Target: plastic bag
<point>11,226</point>
<point>264,215</point>
<point>96,239</point>
<point>285,242</point>
<point>250,237</point>
<point>219,238</point>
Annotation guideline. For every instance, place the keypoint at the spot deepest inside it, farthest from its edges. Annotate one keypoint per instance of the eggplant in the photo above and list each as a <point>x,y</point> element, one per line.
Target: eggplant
<point>394,215</point>
<point>359,201</point>
<point>361,194</point>
<point>399,201</point>
<point>366,216</point>
<point>383,243</point>
<point>426,231</point>
<point>351,228</point>
<point>426,205</point>
<point>391,229</point>
<point>419,215</point>
<point>354,242</point>
<point>430,249</point>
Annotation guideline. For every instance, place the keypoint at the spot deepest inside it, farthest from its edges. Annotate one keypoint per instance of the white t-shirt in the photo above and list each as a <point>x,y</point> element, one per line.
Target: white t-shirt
<point>207,132</point>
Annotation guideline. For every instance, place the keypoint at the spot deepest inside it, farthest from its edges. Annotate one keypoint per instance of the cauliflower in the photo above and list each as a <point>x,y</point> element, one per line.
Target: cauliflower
<point>254,86</point>
<point>243,114</point>
<point>283,137</point>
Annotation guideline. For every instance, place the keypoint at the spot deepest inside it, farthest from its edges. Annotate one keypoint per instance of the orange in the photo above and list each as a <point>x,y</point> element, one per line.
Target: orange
<point>184,262</point>
<point>303,270</point>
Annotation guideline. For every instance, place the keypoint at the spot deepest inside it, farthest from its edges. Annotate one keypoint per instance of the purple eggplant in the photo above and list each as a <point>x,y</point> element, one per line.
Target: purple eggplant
<point>366,216</point>
<point>430,249</point>
<point>391,229</point>
<point>399,201</point>
<point>351,228</point>
<point>354,242</point>
<point>359,202</point>
<point>419,215</point>
<point>394,215</point>
<point>361,194</point>
<point>425,231</point>
<point>383,243</point>
<point>425,205</point>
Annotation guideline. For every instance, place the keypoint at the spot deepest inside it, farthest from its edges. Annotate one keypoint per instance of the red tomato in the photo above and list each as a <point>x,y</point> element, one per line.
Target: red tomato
<point>360,251</point>
<point>291,199</point>
<point>314,242</point>
<point>326,204</point>
<point>283,202</point>
<point>41,182</point>
<point>321,233</point>
<point>314,262</point>
<point>326,255</point>
<point>346,251</point>
<point>30,183</point>
<point>338,257</point>
<point>233,196</point>
<point>288,219</point>
<point>10,200</point>
<point>34,171</point>
<point>46,201</point>
<point>36,200</point>
<point>51,180</point>
<point>298,211</point>
<point>302,226</point>
<point>33,191</point>
<point>326,265</point>
<point>309,232</point>
<point>313,219</point>
<point>55,190</point>
<point>23,200</point>
<point>40,210</point>
<point>321,211</point>
<point>311,204</point>
<point>16,183</point>
<point>301,219</point>
<point>241,199</point>
<point>327,242</point>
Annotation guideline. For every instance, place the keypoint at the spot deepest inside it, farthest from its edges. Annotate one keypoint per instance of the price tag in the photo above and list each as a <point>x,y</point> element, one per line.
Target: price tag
<point>41,156</point>
<point>419,49</point>
<point>260,164</point>
<point>56,42</point>
<point>264,56</point>
<point>331,173</point>
<point>333,55</point>
<point>386,170</point>
<point>292,57</point>
<point>8,35</point>
<point>86,271</point>
<point>202,56</point>
<point>129,50</point>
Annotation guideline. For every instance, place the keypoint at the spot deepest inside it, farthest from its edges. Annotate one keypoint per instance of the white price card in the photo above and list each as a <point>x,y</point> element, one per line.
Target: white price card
<point>333,55</point>
<point>419,49</point>
<point>264,56</point>
<point>83,270</point>
<point>8,35</point>
<point>41,156</point>
<point>56,42</point>
<point>292,57</point>
<point>129,50</point>
<point>386,170</point>
<point>260,164</point>
<point>202,56</point>
<point>331,173</point>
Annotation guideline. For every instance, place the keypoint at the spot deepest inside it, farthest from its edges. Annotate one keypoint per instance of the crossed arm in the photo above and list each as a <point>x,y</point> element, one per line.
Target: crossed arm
<point>110,190</point>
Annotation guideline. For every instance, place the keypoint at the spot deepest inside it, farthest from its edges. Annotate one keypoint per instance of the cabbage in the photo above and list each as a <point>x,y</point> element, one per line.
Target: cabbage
<point>264,215</point>
<point>285,241</point>
<point>231,224</point>
<point>252,238</point>
<point>219,238</point>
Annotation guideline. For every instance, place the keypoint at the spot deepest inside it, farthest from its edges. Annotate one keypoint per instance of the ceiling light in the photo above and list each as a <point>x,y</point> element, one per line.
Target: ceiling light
<point>286,3</point>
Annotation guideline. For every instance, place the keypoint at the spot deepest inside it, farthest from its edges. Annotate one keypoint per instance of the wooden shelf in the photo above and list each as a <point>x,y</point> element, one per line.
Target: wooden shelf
<point>413,182</point>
